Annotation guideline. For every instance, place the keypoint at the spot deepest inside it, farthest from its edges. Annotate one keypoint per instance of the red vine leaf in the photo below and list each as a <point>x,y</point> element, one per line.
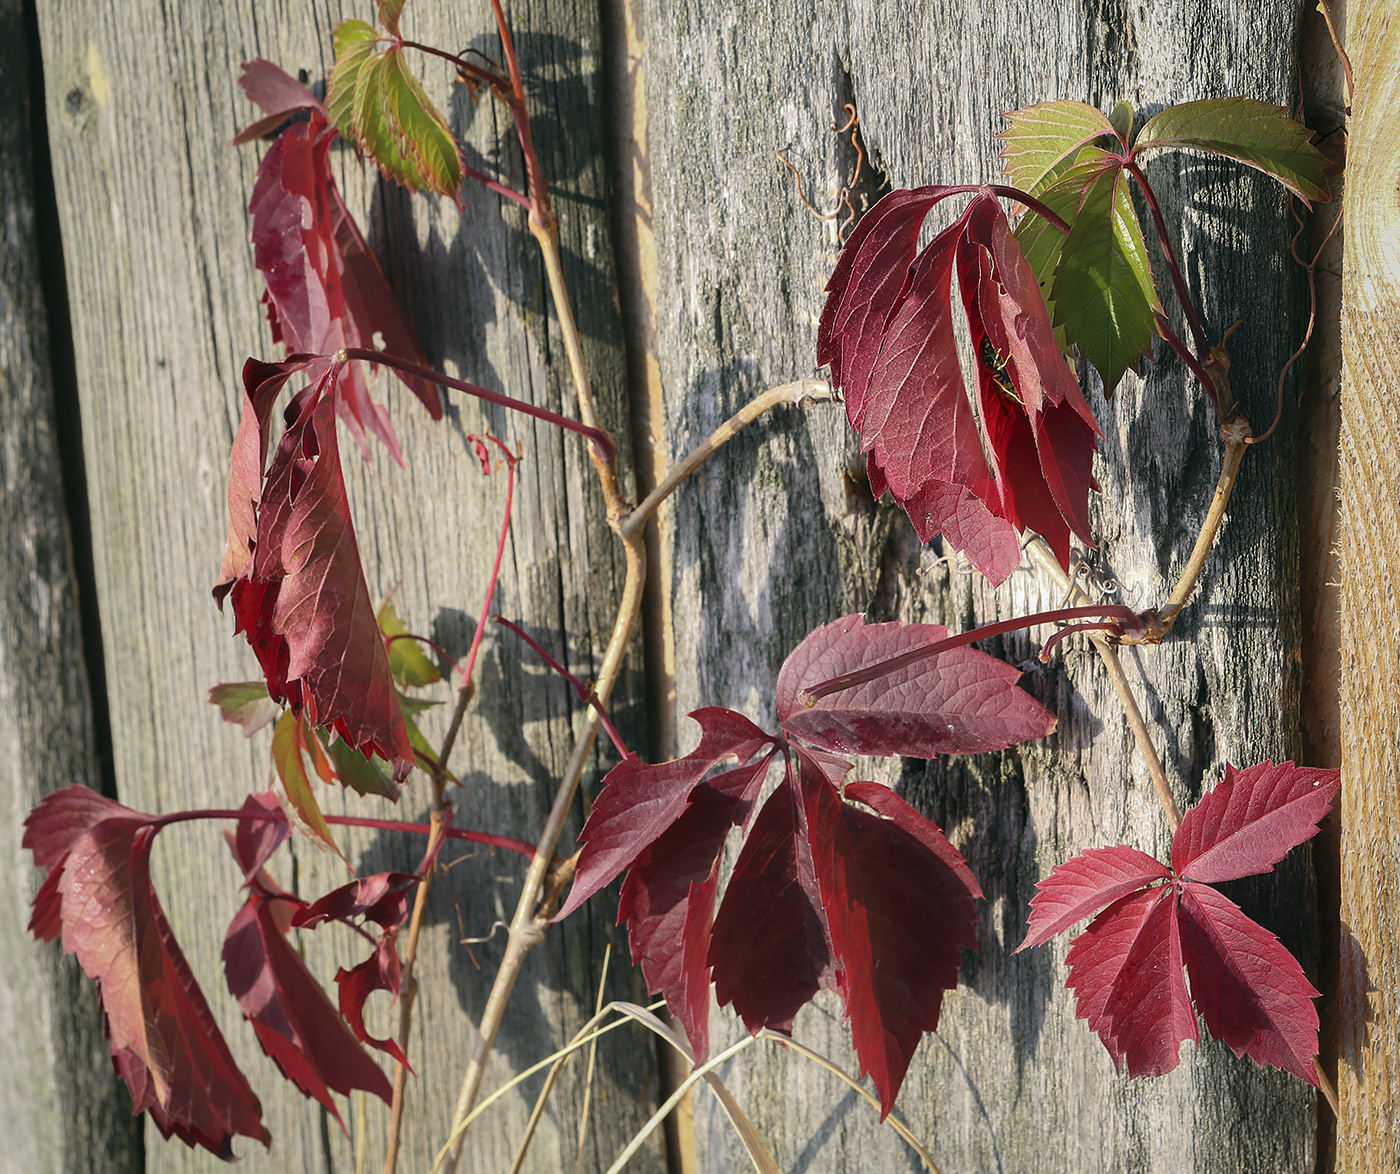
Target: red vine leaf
<point>163,1039</point>
<point>1080,887</point>
<point>960,701</point>
<point>1126,971</point>
<point>303,601</point>
<point>255,840</point>
<point>1250,990</point>
<point>638,802</point>
<point>1251,820</point>
<point>379,972</point>
<point>278,93</point>
<point>1126,967</point>
<point>296,1024</point>
<point>896,898</point>
<point>381,898</point>
<point>888,334</point>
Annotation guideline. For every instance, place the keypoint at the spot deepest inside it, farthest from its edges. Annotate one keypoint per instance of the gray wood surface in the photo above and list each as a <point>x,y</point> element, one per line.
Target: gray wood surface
<point>142,102</point>
<point>60,1106</point>
<point>777,535</point>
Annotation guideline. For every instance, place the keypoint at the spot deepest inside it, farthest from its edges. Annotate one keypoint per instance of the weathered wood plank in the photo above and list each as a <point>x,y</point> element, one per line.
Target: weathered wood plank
<point>777,535</point>
<point>142,102</point>
<point>1368,1130</point>
<point>61,1108</point>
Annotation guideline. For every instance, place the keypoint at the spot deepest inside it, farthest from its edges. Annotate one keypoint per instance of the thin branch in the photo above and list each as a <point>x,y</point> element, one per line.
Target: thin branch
<point>1325,9</point>
<point>1197,368</point>
<point>1235,433</point>
<point>602,442</point>
<point>475,72</point>
<point>585,693</point>
<point>787,393</point>
<point>1188,307</point>
<point>1040,554</point>
<point>528,924</point>
<point>496,186</point>
<point>442,817</point>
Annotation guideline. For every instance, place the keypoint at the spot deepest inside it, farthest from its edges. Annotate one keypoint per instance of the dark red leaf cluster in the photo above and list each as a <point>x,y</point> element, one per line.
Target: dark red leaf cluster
<point>839,887</point>
<point>295,1023</point>
<point>291,560</point>
<point>164,1042</point>
<point>298,590</point>
<point>1022,459</point>
<point>1150,921</point>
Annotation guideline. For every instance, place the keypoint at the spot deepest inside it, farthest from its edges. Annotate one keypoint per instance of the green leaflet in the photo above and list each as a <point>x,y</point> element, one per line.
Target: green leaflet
<point>1038,138</point>
<point>1254,133</point>
<point>1103,290</point>
<point>363,775</point>
<point>375,100</point>
<point>407,663</point>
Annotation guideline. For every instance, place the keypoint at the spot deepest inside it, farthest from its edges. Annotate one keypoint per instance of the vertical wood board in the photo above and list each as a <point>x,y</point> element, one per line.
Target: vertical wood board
<point>777,534</point>
<point>142,101</point>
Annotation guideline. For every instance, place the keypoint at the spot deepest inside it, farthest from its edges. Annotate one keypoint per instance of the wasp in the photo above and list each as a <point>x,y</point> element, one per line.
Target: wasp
<point>995,362</point>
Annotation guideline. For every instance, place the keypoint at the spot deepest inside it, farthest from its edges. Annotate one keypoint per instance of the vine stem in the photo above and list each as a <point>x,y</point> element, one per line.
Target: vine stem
<point>442,810</point>
<point>547,878</point>
<point>1188,307</point>
<point>1236,435</point>
<point>1040,554</point>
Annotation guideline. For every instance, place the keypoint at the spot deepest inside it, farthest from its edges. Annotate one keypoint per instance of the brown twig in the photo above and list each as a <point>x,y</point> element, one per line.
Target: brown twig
<point>1235,433</point>
<point>1040,553</point>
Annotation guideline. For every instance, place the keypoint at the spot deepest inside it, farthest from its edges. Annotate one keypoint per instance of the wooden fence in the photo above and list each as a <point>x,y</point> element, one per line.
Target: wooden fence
<point>130,302</point>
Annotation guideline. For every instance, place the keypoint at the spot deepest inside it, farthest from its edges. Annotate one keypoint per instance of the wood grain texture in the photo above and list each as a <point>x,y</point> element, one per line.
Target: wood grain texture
<point>777,535</point>
<point>61,1108</point>
<point>1368,1130</point>
<point>142,101</point>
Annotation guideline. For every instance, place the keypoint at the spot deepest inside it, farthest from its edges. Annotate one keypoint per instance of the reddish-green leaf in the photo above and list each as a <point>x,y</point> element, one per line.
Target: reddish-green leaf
<point>1037,138</point>
<point>1103,291</point>
<point>355,42</point>
<point>422,129</point>
<point>409,667</point>
<point>287,749</point>
<point>389,13</point>
<point>245,703</point>
<point>1254,133</point>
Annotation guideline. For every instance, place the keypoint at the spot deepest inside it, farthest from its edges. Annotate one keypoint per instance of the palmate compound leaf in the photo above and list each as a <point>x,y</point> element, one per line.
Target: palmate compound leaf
<point>1126,968</point>
<point>302,600</point>
<point>958,702</point>
<point>870,901</point>
<point>164,1042</point>
<point>296,1024</point>
<point>887,333</point>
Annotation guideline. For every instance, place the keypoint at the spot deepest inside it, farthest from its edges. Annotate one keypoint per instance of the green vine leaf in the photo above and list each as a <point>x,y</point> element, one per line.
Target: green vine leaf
<point>407,663</point>
<point>1060,190</point>
<point>1103,290</point>
<point>1254,133</point>
<point>1040,137</point>
<point>374,99</point>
